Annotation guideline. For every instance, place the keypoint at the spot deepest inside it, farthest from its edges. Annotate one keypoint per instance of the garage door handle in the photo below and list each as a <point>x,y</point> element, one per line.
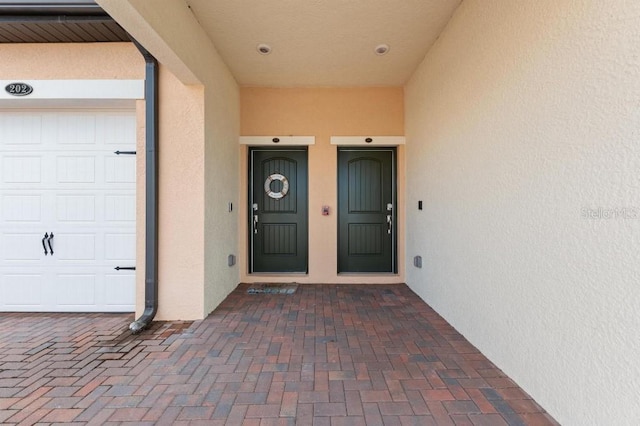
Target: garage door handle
<point>49,242</point>
<point>46,235</point>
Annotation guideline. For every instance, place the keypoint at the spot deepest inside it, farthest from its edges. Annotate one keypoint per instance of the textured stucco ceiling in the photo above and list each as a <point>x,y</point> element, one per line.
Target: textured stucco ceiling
<point>323,42</point>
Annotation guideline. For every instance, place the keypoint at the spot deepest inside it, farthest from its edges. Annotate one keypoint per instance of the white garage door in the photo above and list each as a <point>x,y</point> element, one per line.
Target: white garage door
<point>67,211</point>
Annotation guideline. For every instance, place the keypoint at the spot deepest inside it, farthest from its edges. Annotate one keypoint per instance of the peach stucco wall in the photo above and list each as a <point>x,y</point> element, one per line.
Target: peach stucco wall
<point>522,129</point>
<point>322,112</point>
<point>70,61</point>
<point>181,200</point>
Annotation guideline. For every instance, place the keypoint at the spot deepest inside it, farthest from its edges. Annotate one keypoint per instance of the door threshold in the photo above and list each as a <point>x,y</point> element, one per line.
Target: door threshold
<point>276,274</point>
<point>369,274</point>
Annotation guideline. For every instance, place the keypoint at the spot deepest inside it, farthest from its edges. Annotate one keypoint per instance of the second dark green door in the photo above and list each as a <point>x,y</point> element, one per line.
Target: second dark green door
<point>366,210</point>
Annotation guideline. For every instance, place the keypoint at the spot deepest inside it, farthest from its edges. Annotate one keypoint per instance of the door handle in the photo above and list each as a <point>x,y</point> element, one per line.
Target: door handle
<point>46,235</point>
<point>254,206</point>
<point>389,223</point>
<point>49,242</point>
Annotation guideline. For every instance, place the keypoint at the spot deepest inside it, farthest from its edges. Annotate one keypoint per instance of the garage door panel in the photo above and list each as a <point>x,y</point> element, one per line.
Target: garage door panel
<point>21,208</point>
<point>22,290</point>
<point>21,169</point>
<point>76,169</point>
<point>20,129</point>
<point>75,247</point>
<point>120,208</point>
<point>116,129</point>
<point>22,247</point>
<point>77,129</point>
<point>76,290</point>
<point>120,169</point>
<point>76,208</point>
<point>120,247</point>
<point>119,289</point>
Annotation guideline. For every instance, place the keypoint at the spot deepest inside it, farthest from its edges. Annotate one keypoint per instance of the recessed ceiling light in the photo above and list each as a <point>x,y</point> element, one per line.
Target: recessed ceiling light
<point>263,49</point>
<point>381,49</point>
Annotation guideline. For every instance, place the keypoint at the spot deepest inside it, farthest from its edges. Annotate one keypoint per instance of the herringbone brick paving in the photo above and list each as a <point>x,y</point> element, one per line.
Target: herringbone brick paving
<point>325,355</point>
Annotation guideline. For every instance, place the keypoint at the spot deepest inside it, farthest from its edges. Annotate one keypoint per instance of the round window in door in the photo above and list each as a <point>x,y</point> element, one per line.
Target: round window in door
<point>269,186</point>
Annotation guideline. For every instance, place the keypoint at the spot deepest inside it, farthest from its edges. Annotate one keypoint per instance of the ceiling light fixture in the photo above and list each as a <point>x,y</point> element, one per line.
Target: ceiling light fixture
<point>381,49</point>
<point>263,49</point>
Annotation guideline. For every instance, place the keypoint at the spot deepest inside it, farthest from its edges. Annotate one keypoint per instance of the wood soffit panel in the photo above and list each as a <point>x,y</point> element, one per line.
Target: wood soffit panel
<point>77,22</point>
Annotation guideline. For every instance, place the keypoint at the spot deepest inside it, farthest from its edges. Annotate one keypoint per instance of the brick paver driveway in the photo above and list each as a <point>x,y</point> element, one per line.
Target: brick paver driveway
<point>325,355</point>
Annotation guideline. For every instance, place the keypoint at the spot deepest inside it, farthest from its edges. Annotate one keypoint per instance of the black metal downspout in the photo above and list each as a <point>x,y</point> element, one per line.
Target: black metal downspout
<point>151,202</point>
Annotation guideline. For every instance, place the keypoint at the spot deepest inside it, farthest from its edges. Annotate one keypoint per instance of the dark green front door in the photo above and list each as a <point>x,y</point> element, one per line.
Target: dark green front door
<point>366,210</point>
<point>278,210</point>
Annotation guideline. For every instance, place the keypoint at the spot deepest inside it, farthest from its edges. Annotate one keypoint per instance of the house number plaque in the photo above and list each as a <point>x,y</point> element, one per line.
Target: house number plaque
<point>18,89</point>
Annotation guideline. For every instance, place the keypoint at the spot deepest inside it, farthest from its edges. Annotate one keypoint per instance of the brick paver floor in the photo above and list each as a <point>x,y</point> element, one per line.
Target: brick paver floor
<point>325,355</point>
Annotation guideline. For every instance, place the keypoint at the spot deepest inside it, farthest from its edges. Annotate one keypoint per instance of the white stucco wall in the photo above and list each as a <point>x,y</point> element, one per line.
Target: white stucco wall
<point>523,128</point>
